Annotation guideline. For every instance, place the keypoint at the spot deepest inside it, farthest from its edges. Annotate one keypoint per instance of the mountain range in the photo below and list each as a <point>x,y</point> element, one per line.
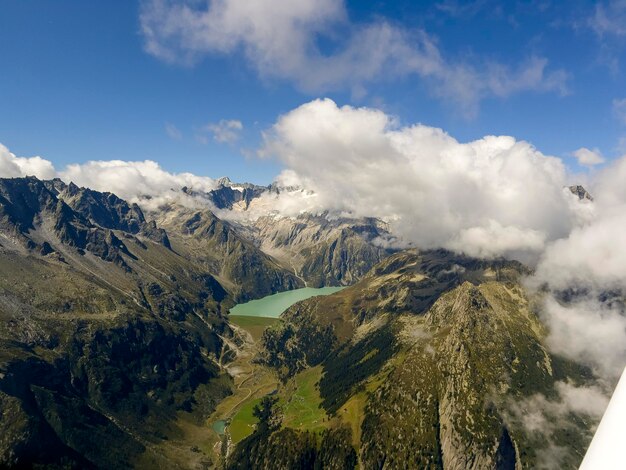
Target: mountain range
<point>115,334</point>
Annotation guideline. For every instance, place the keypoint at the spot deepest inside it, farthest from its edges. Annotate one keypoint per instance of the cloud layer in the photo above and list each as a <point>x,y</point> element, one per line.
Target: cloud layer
<point>131,180</point>
<point>128,180</point>
<point>12,166</point>
<point>489,197</point>
<point>587,268</point>
<point>282,40</point>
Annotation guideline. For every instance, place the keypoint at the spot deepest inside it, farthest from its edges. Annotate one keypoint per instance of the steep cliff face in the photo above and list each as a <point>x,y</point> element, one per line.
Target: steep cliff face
<point>228,194</point>
<point>322,250</point>
<point>108,211</point>
<point>244,269</point>
<point>33,218</point>
<point>442,352</point>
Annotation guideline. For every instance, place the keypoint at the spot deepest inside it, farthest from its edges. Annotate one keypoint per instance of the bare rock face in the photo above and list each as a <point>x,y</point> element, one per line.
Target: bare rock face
<point>322,250</point>
<point>107,210</point>
<point>228,194</point>
<point>215,244</point>
<point>33,217</point>
<point>318,249</point>
<point>581,192</point>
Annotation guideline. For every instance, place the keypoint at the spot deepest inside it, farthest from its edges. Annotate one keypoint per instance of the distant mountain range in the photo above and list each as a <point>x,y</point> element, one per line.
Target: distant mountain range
<point>115,340</point>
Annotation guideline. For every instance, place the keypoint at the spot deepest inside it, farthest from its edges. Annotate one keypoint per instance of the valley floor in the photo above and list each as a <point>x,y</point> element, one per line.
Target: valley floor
<point>252,381</point>
<point>204,445</point>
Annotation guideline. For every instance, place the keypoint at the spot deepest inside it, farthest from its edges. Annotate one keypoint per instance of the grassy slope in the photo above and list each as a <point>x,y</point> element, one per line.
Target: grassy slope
<point>301,402</point>
<point>253,325</point>
<point>242,424</point>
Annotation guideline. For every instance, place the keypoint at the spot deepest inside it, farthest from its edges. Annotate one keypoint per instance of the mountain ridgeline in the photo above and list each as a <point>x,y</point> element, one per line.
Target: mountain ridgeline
<point>432,361</point>
<point>117,350</point>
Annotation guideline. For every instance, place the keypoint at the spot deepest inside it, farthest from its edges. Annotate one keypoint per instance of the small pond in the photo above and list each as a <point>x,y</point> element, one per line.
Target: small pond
<point>219,426</point>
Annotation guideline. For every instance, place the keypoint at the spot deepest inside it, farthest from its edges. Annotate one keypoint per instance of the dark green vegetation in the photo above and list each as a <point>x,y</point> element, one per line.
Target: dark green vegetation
<point>273,446</point>
<point>433,360</point>
<point>106,336</point>
<point>347,367</point>
<point>290,347</point>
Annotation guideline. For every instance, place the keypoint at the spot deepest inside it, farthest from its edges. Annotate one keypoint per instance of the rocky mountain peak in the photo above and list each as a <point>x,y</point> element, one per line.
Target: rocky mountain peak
<point>581,192</point>
<point>224,181</point>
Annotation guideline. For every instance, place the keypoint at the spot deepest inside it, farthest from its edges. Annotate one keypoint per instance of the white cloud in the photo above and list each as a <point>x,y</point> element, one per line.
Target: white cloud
<point>489,197</point>
<point>493,240</point>
<point>281,40</point>
<point>589,267</point>
<point>131,180</point>
<point>589,332</point>
<point>172,131</point>
<point>593,255</point>
<point>587,157</point>
<point>134,181</point>
<point>619,109</point>
<point>494,196</point>
<point>12,166</point>
<point>546,419</point>
<point>463,9</point>
<point>225,131</point>
<point>609,18</point>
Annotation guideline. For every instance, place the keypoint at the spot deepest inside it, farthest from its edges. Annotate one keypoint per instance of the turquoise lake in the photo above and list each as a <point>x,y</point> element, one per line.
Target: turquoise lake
<point>273,305</point>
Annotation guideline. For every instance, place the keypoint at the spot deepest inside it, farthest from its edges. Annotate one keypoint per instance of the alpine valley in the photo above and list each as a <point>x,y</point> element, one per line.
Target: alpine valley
<point>117,349</point>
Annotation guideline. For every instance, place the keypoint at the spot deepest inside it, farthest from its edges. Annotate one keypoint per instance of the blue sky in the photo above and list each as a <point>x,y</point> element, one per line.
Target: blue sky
<point>81,80</point>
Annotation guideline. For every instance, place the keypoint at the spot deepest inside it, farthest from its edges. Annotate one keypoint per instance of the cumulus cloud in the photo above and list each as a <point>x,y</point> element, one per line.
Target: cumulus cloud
<point>132,180</point>
<point>488,197</point>
<point>139,181</point>
<point>587,157</point>
<point>538,414</point>
<point>224,131</point>
<point>585,277</point>
<point>281,40</point>
<point>590,255</point>
<point>588,331</point>
<point>12,166</point>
